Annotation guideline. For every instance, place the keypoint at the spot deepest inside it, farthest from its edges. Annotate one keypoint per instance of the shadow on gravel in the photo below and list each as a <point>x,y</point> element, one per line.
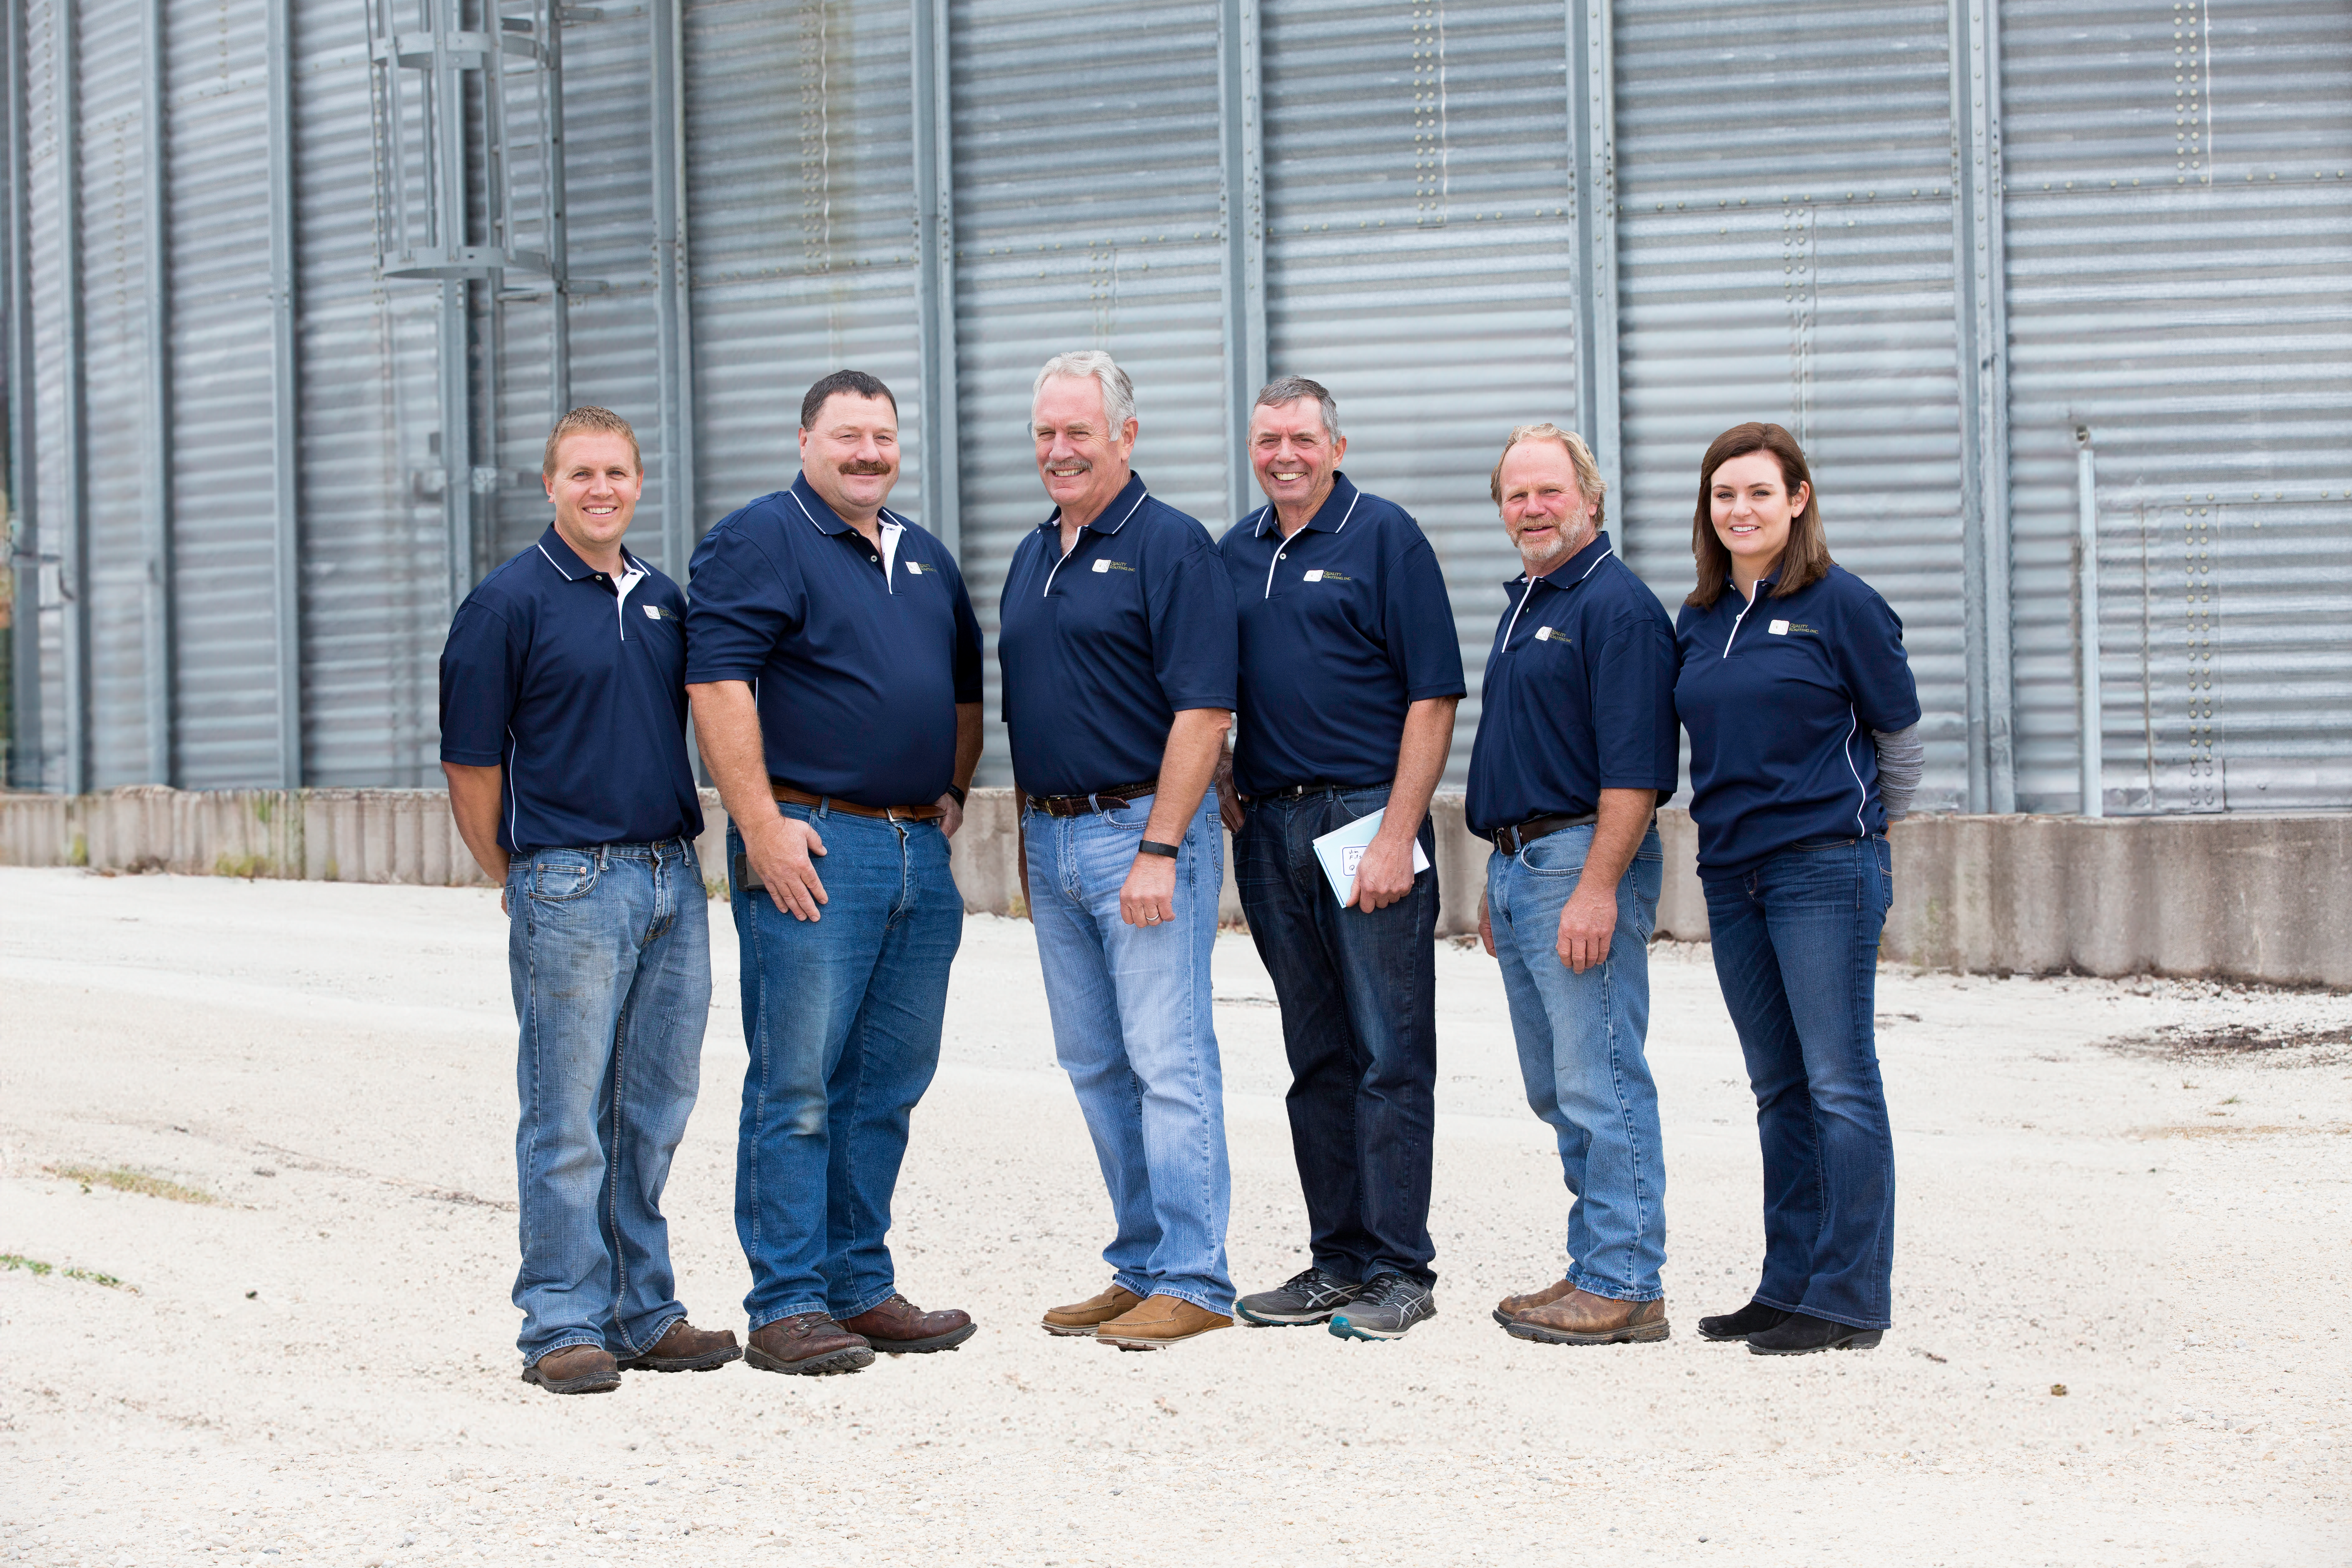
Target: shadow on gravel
<point>2285,1046</point>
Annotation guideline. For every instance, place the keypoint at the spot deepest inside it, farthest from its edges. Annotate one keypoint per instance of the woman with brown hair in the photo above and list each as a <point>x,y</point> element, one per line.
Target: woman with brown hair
<point>1801,708</point>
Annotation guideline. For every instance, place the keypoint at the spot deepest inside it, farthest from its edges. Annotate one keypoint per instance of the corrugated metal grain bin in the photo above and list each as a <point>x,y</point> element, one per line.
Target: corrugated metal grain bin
<point>2058,297</point>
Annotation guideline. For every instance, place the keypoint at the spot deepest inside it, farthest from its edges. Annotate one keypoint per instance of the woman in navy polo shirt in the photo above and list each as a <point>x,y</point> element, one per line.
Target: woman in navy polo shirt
<point>1800,709</point>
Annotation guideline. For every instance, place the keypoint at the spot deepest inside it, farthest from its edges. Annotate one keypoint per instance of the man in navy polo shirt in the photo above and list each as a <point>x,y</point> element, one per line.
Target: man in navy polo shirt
<point>1576,748</point>
<point>564,737</point>
<point>1117,639</point>
<point>1350,670</point>
<point>836,682</point>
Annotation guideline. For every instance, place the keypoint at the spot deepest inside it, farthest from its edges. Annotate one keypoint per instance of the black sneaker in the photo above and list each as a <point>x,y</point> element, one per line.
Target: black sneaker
<point>1752,1318</point>
<point>1310,1297</point>
<point>1387,1306</point>
<point>1803,1335</point>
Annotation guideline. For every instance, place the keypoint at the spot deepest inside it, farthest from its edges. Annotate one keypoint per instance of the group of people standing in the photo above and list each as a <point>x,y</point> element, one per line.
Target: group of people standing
<point>1160,687</point>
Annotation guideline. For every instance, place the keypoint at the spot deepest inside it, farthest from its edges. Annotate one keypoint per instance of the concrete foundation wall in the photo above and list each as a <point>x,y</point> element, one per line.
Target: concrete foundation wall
<point>2240,896</point>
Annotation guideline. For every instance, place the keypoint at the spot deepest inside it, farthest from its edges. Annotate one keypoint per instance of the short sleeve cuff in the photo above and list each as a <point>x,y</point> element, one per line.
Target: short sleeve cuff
<point>1438,689</point>
<point>466,758</point>
<point>701,675</point>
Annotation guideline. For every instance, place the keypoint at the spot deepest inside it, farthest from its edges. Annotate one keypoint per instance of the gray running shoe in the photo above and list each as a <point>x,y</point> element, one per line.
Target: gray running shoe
<point>1387,1306</point>
<point>1306,1298</point>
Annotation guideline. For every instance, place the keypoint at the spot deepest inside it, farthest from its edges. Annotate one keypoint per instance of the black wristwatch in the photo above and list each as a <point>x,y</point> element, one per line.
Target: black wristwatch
<point>1154,847</point>
<point>960,794</point>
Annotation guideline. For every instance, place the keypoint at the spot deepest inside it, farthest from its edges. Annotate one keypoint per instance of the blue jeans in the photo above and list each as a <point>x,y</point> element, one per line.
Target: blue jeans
<point>841,1015</point>
<point>1581,1041</point>
<point>609,950</point>
<point>1359,995</point>
<point>1796,949</point>
<point>1131,1028</point>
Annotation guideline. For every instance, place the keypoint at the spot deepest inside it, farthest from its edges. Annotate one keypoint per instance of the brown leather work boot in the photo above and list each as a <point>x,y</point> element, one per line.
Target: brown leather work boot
<point>1159,1321</point>
<point>574,1369</point>
<point>1510,1307</point>
<point>1580,1318</point>
<point>809,1343</point>
<point>898,1326</point>
<point>1082,1318</point>
<point>684,1348</point>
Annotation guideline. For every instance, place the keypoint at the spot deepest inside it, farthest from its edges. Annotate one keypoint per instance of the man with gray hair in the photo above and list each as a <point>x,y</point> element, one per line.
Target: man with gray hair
<point>1350,670</point>
<point>1118,647</point>
<point>1575,747</point>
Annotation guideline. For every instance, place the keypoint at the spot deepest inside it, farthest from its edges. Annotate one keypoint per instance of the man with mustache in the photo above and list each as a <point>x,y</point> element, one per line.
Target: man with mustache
<point>835,680</point>
<point>1576,748</point>
<point>1118,647</point>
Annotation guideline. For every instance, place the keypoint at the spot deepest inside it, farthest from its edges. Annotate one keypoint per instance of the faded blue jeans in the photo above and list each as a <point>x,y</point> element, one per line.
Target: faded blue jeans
<point>1131,1028</point>
<point>1796,949</point>
<point>842,1018</point>
<point>1580,1040</point>
<point>609,950</point>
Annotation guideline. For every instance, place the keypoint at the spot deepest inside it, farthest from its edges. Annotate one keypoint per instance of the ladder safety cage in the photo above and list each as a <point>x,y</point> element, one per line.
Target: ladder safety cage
<point>469,106</point>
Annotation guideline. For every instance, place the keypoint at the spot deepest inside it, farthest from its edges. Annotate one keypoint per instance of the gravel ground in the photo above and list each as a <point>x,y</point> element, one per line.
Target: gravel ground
<point>2135,1192</point>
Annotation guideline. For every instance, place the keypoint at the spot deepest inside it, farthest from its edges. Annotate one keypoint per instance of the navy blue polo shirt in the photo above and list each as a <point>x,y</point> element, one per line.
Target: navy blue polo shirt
<point>856,656</point>
<point>1780,696</point>
<point>1103,647</point>
<point>579,694</point>
<point>1344,625</point>
<point>1578,695</point>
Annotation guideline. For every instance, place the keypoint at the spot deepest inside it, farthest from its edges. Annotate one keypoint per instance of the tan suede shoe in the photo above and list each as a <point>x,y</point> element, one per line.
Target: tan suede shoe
<point>1162,1320</point>
<point>1510,1307</point>
<point>1083,1317</point>
<point>1580,1318</point>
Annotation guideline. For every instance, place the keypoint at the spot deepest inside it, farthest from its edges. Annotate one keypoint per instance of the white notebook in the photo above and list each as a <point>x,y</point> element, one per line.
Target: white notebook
<point>1341,850</point>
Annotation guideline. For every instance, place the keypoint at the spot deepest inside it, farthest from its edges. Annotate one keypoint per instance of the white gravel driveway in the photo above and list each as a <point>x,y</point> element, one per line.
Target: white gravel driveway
<point>319,1365</point>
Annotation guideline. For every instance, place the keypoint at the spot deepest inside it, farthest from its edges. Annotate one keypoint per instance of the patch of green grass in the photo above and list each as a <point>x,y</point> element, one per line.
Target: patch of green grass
<point>124,1179</point>
<point>34,1266</point>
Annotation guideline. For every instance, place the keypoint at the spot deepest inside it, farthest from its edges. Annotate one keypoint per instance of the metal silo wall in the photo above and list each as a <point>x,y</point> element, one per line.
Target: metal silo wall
<point>800,118</point>
<point>2197,326</point>
<point>1087,215</point>
<point>2180,234</point>
<point>1418,256</point>
<point>374,605</point>
<point>222,497</point>
<point>1785,244</point>
<point>44,176</point>
<point>115,367</point>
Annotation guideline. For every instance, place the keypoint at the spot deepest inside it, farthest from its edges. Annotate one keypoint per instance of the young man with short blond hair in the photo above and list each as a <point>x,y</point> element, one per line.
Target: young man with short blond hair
<point>564,737</point>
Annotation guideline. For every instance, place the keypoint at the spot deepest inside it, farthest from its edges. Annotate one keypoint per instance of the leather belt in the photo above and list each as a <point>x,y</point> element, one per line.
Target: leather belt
<point>1321,786</point>
<point>797,795</point>
<point>1511,840</point>
<point>1072,804</point>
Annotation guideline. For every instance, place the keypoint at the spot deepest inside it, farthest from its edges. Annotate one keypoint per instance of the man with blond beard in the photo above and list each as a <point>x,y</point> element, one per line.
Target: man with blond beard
<point>1576,748</point>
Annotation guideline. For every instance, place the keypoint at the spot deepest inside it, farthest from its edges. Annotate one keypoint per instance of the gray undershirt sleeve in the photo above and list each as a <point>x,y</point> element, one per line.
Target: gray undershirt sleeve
<point>1901,758</point>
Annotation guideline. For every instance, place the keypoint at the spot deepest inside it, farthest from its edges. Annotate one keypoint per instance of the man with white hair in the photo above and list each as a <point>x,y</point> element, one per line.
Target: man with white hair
<point>1576,748</point>
<point>1118,644</point>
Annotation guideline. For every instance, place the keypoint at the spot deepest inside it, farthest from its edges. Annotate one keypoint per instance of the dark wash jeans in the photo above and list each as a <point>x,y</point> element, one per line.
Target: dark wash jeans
<point>841,1018</point>
<point>1359,995</point>
<point>1796,949</point>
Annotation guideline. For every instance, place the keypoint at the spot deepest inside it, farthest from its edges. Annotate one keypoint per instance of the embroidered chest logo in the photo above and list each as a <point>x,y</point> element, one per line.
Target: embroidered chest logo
<point>1113,566</point>
<point>913,568</point>
<point>1797,629</point>
<point>653,612</point>
<point>1324,575</point>
<point>1550,634</point>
